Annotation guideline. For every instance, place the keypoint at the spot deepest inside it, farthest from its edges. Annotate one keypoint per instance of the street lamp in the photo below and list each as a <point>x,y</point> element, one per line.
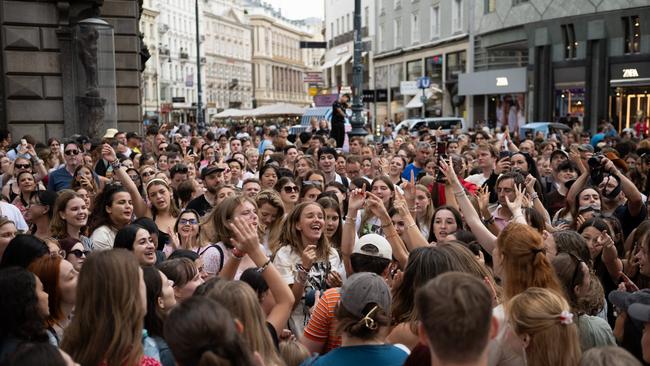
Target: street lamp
<point>200,123</point>
<point>357,77</point>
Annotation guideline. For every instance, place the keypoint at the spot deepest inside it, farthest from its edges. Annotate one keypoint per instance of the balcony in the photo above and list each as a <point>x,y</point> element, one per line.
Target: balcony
<point>204,60</point>
<point>184,55</point>
<point>163,28</point>
<point>346,37</point>
<point>164,51</point>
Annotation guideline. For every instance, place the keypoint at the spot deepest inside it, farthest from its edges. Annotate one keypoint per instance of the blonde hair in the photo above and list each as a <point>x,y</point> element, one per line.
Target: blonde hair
<point>539,313</point>
<point>215,226</point>
<point>428,215</point>
<point>242,302</point>
<point>271,197</point>
<point>293,353</point>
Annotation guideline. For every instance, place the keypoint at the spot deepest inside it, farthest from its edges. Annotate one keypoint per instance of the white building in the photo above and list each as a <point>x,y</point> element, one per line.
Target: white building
<point>149,84</point>
<point>177,49</point>
<point>339,34</point>
<point>227,68</point>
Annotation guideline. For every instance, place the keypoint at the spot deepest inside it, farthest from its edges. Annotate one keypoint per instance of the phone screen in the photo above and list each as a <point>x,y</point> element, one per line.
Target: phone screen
<point>441,148</point>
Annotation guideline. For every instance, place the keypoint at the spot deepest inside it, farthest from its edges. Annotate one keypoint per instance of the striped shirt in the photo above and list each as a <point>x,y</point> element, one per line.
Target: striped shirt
<point>322,324</point>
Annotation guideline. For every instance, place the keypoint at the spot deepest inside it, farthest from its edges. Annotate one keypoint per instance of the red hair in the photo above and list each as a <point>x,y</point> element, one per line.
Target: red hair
<point>524,261</point>
<point>47,269</point>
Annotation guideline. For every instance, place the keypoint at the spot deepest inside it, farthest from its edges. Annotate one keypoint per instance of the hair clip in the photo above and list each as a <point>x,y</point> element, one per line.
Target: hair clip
<point>370,322</point>
<point>566,318</point>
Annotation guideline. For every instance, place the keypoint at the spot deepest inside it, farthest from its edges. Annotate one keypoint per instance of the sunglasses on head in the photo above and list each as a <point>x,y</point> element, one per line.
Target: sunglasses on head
<point>23,166</point>
<point>79,253</point>
<point>72,152</point>
<point>147,173</point>
<point>291,189</point>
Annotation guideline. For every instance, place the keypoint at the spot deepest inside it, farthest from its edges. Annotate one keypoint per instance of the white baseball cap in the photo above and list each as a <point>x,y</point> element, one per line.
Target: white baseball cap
<point>374,245</point>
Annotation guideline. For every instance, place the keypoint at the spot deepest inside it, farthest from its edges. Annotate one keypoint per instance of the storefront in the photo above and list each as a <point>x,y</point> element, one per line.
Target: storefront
<point>569,93</point>
<point>499,95</point>
<point>629,97</point>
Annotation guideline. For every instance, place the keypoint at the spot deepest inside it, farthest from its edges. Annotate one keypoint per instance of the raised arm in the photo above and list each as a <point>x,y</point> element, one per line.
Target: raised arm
<point>397,245</point>
<point>472,218</point>
<point>139,205</point>
<point>634,197</point>
<point>246,239</point>
<point>348,233</point>
<point>412,235</point>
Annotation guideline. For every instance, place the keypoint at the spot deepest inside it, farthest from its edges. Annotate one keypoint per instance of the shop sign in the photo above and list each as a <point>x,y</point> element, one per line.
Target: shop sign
<point>381,95</point>
<point>502,81</point>
<point>630,73</point>
<point>408,87</point>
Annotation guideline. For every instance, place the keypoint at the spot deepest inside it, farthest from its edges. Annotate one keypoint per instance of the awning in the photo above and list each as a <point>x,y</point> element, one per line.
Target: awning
<point>630,82</point>
<point>416,101</point>
<point>330,63</point>
<point>344,59</point>
<point>317,112</point>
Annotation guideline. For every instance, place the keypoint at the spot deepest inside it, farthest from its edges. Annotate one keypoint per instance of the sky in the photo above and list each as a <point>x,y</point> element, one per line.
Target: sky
<point>299,9</point>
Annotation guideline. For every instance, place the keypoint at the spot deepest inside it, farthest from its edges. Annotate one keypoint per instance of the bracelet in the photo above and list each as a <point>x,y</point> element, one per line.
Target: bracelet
<point>390,223</point>
<point>301,268</point>
<point>534,196</point>
<point>264,266</point>
<point>116,164</point>
<point>237,253</point>
<point>459,193</point>
<point>488,221</point>
<point>412,225</point>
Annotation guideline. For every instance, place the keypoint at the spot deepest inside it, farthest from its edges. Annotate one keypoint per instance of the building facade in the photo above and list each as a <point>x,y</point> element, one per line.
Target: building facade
<point>416,39</point>
<point>560,61</point>
<point>177,60</point>
<point>51,86</point>
<point>150,85</point>
<point>278,62</point>
<point>339,35</point>
<point>227,53</point>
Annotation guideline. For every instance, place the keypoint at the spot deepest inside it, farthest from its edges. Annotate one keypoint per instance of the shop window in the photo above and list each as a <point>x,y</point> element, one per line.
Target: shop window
<point>570,43</point>
<point>455,65</point>
<point>632,30</point>
<point>413,70</point>
<point>490,6</point>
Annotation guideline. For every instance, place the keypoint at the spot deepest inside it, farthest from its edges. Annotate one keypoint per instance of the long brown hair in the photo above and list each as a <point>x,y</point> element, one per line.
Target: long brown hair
<point>272,198</point>
<point>58,226</point>
<point>109,317</point>
<point>292,237</point>
<point>242,302</point>
<point>524,261</point>
<point>215,228</point>
<point>174,211</point>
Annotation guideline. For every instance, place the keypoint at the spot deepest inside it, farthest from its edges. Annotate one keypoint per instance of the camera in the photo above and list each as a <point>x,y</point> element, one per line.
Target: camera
<point>596,168</point>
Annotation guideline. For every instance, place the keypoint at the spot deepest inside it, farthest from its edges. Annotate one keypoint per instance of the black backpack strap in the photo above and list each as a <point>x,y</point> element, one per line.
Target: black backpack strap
<point>221,255</point>
<point>345,182</point>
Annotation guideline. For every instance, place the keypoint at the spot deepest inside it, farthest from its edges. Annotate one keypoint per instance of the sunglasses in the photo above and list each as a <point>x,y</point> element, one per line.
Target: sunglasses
<point>79,253</point>
<point>188,222</point>
<point>72,152</point>
<point>291,189</point>
<point>23,166</point>
<point>147,173</point>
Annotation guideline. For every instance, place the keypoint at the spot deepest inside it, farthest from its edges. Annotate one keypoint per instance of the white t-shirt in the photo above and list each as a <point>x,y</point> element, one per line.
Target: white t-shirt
<point>103,238</point>
<point>13,213</point>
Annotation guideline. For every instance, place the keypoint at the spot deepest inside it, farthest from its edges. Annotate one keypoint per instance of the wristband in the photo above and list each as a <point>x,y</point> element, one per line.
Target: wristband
<point>116,164</point>
<point>534,196</point>
<point>488,221</point>
<point>412,225</point>
<point>459,193</point>
<point>264,266</point>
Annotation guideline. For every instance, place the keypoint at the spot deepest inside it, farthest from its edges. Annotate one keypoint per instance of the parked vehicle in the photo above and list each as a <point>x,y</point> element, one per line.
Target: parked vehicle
<point>529,130</point>
<point>444,123</point>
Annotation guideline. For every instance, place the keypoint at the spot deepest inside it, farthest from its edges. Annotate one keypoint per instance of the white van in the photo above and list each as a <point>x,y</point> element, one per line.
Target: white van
<point>444,123</point>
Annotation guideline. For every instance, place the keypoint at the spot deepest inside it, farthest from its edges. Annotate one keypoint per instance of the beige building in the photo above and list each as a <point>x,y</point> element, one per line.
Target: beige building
<point>150,88</point>
<point>278,62</point>
<point>227,70</point>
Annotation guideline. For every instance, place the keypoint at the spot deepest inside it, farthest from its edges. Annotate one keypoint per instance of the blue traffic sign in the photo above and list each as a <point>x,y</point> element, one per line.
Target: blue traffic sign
<point>424,82</point>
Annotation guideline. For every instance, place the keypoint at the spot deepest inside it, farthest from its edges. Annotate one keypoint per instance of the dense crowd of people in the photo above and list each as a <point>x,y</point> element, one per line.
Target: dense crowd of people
<point>245,246</point>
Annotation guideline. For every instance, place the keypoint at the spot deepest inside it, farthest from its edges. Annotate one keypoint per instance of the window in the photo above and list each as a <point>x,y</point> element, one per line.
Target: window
<point>331,31</point>
<point>632,31</point>
<point>457,15</point>
<point>435,21</point>
<point>347,21</point>
<point>366,16</point>
<point>490,6</point>
<point>517,2</point>
<point>415,28</point>
<point>570,43</point>
<point>413,70</point>
<point>380,38</point>
<point>338,27</point>
<point>397,4</point>
<point>397,32</point>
